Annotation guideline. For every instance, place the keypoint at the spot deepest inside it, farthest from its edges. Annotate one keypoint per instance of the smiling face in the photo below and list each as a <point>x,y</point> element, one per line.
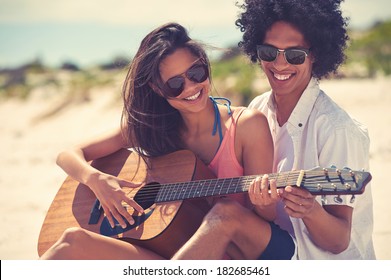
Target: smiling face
<point>194,95</point>
<point>287,81</point>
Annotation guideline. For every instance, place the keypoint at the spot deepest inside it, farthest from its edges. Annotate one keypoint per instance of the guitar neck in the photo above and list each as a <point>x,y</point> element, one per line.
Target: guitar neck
<point>206,188</point>
<point>317,181</point>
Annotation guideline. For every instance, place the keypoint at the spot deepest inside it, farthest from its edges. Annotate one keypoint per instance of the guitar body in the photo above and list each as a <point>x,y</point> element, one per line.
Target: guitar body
<point>167,225</point>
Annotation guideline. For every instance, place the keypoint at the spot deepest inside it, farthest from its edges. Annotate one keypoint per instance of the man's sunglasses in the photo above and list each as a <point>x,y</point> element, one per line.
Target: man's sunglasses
<point>197,73</point>
<point>295,56</point>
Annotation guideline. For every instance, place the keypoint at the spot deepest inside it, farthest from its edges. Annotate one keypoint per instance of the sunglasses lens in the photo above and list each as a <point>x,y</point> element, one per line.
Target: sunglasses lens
<point>295,56</point>
<point>175,86</point>
<point>198,73</point>
<point>267,53</point>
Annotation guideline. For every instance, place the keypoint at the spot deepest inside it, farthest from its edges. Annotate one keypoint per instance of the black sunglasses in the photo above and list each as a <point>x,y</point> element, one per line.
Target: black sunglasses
<point>294,56</point>
<point>197,73</point>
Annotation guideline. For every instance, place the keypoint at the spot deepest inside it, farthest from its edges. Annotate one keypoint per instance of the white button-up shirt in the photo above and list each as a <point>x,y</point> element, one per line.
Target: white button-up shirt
<point>323,134</point>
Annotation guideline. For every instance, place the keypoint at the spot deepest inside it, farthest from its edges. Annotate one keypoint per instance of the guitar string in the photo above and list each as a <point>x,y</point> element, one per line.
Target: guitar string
<point>312,179</point>
<point>191,187</point>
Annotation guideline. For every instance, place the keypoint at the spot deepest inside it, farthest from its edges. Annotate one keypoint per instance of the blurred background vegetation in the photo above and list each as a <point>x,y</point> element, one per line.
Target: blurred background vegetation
<point>369,56</point>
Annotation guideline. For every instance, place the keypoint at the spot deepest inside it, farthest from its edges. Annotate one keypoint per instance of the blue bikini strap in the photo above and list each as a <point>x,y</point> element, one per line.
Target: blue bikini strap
<point>217,121</point>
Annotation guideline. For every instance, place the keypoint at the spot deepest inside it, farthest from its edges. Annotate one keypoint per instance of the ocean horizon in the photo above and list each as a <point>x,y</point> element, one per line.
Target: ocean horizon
<point>88,44</point>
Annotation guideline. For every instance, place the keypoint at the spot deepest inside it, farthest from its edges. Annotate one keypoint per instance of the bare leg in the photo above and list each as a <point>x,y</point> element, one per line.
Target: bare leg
<point>79,244</point>
<point>228,228</point>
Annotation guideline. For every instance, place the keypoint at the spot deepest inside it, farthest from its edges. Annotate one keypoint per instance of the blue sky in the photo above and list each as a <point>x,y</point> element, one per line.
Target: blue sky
<point>94,31</point>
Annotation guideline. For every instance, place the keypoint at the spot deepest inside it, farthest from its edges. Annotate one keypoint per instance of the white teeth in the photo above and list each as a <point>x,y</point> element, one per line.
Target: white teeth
<point>281,77</point>
<point>193,97</point>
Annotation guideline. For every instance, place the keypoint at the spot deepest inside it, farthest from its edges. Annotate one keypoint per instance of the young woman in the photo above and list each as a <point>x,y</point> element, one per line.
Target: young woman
<point>167,108</point>
<point>297,42</point>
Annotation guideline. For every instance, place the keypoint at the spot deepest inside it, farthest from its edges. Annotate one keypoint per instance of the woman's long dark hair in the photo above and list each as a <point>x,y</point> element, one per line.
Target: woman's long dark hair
<point>150,124</point>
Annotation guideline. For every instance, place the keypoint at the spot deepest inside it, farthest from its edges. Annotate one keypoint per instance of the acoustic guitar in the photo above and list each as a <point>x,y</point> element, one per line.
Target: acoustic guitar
<point>173,195</point>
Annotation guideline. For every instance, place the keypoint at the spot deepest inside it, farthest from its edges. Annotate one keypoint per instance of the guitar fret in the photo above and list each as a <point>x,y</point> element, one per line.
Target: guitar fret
<point>182,192</point>
<point>187,189</point>
<point>215,190</point>
<point>233,185</point>
<point>276,178</point>
<point>209,188</point>
<point>192,189</point>
<point>219,187</point>
<point>174,193</point>
<point>167,193</point>
<point>240,184</point>
<point>236,185</point>
<point>198,189</point>
<point>204,188</point>
<point>286,179</point>
<point>224,189</point>
<point>230,186</point>
<point>244,183</point>
<point>161,194</point>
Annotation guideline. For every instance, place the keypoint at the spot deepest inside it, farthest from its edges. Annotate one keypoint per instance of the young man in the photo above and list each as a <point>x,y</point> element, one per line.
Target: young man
<point>298,42</point>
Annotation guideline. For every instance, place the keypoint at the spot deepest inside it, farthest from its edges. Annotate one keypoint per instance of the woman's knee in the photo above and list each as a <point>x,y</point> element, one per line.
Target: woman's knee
<point>74,236</point>
<point>68,246</point>
<point>227,211</point>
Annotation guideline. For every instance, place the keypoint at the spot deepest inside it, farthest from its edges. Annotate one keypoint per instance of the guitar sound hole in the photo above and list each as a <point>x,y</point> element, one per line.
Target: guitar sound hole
<point>146,196</point>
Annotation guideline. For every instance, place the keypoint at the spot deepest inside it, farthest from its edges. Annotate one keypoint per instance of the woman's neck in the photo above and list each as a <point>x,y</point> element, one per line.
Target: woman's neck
<point>200,122</point>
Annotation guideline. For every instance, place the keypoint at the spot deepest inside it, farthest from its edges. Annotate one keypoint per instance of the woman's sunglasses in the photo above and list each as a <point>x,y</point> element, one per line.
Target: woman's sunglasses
<point>197,73</point>
<point>294,56</point>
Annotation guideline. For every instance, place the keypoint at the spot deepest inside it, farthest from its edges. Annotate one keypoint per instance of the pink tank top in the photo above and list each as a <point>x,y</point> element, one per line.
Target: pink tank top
<point>225,164</point>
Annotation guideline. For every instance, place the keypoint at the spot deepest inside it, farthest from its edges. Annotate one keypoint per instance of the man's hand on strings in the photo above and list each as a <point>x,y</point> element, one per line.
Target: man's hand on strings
<point>260,194</point>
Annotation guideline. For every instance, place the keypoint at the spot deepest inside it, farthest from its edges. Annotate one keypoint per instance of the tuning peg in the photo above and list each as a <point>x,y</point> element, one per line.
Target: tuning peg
<point>338,199</point>
<point>319,187</point>
<point>352,199</point>
<point>323,199</point>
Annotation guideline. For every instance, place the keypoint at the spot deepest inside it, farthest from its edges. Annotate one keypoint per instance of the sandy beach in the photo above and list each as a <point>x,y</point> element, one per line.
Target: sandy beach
<point>30,141</point>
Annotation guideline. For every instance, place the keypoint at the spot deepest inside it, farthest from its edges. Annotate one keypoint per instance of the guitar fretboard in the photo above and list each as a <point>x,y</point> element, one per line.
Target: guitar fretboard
<point>218,187</point>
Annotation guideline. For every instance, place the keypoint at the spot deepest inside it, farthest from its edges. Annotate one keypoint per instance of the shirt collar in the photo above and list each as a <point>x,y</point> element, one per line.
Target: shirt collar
<point>303,108</point>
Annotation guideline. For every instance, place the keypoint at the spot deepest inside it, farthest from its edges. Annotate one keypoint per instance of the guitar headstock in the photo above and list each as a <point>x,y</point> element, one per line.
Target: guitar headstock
<point>334,181</point>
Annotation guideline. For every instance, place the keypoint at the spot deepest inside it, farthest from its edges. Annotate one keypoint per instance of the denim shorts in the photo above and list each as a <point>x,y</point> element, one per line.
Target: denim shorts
<point>281,245</point>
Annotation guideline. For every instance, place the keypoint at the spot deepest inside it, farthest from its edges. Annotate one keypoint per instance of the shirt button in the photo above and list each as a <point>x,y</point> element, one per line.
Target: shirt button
<point>300,124</point>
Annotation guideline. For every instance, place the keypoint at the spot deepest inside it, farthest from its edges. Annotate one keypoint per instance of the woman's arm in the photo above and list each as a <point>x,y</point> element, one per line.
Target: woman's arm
<point>107,188</point>
<point>257,154</point>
